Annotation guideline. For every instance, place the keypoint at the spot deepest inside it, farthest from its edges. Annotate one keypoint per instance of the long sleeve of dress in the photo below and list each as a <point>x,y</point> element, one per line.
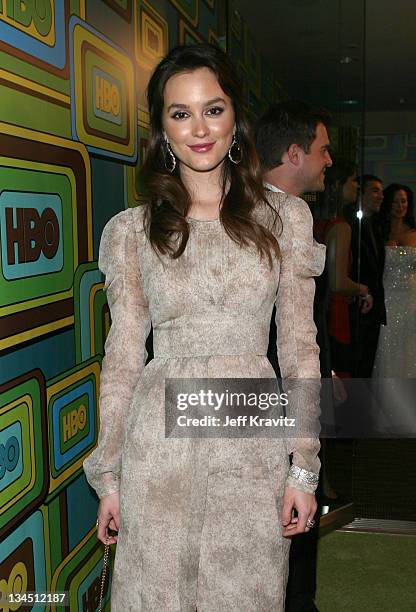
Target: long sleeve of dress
<point>298,353</point>
<point>125,352</point>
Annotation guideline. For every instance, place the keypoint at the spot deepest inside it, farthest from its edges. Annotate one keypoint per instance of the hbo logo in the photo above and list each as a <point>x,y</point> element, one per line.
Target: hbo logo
<point>73,422</point>
<point>28,12</point>
<point>107,96</point>
<point>33,233</point>
<point>9,455</point>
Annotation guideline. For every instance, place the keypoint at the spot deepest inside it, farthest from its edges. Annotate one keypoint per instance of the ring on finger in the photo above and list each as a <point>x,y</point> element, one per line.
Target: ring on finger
<point>97,523</point>
<point>310,523</point>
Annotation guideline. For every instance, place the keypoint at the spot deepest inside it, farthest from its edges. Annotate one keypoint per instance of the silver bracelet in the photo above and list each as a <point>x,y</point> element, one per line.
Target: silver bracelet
<point>309,478</point>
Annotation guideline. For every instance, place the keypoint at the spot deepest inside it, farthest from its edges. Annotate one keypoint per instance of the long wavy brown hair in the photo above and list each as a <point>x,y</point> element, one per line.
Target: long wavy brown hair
<point>384,216</point>
<point>242,188</point>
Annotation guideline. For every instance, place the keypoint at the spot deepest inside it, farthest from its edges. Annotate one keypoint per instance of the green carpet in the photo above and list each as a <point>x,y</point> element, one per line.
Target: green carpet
<point>366,573</point>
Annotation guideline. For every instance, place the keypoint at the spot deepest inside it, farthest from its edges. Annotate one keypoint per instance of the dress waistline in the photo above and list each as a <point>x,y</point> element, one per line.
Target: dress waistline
<point>206,337</point>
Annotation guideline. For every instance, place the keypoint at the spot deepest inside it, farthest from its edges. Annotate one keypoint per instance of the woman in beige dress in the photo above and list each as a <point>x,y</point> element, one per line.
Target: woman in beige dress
<point>203,523</point>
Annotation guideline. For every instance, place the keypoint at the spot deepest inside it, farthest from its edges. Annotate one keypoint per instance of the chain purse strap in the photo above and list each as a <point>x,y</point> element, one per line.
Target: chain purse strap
<point>103,576</point>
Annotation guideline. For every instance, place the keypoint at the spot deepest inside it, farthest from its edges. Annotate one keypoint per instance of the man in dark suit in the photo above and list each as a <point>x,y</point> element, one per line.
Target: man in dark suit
<point>368,252</point>
<point>293,146</point>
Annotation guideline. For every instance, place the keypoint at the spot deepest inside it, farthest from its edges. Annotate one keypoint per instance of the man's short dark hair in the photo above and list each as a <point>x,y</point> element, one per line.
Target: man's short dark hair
<point>284,124</point>
<point>367,178</point>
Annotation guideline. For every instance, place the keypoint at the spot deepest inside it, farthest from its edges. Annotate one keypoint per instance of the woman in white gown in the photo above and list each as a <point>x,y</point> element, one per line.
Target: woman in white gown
<point>396,352</point>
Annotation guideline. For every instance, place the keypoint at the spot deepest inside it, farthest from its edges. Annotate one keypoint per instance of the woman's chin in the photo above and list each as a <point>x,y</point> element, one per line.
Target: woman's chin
<point>204,165</point>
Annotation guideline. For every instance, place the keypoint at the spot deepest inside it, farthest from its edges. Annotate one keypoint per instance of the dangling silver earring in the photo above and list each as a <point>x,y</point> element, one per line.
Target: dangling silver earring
<point>170,159</point>
<point>237,155</point>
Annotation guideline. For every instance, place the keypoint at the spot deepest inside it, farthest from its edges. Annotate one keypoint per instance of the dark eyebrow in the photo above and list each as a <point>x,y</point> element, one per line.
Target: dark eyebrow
<point>185,106</point>
<point>214,101</point>
<point>177,105</point>
<point>327,146</point>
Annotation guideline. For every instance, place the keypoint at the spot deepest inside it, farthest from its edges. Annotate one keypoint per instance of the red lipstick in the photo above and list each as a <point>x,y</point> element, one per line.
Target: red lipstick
<point>202,148</point>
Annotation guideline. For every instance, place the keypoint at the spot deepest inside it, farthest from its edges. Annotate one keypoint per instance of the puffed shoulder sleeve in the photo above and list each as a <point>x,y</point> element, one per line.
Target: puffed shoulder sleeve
<point>125,352</point>
<point>301,259</point>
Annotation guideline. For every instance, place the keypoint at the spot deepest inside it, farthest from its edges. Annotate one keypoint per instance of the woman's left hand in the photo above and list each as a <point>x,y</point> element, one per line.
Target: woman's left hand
<point>305,506</point>
<point>367,304</point>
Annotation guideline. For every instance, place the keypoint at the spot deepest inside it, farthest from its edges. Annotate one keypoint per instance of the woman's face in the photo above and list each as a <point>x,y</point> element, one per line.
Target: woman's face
<point>198,119</point>
<point>399,204</point>
<point>350,189</point>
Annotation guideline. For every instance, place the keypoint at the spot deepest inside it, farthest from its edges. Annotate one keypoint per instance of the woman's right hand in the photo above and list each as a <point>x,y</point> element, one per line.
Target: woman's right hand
<point>367,304</point>
<point>108,518</point>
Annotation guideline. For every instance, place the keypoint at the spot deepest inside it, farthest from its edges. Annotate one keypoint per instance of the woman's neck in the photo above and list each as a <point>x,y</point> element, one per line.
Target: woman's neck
<point>398,226</point>
<point>205,190</point>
